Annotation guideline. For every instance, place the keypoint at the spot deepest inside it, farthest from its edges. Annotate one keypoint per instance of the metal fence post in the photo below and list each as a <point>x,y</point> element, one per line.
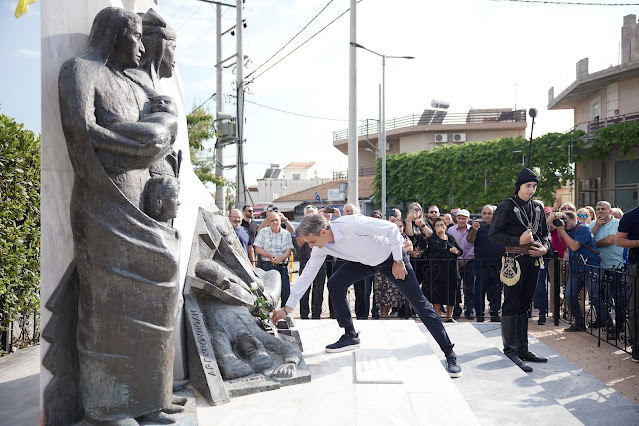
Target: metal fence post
<point>556,289</point>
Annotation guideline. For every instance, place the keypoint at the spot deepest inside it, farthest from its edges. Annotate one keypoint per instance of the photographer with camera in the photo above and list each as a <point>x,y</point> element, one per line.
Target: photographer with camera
<point>584,256</point>
<point>285,223</point>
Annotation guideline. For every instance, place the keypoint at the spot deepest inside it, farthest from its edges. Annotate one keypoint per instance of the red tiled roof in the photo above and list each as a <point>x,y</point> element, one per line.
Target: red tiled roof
<point>300,165</point>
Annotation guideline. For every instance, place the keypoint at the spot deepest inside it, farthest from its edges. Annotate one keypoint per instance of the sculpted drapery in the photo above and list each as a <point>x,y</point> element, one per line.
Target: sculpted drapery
<point>127,262</point>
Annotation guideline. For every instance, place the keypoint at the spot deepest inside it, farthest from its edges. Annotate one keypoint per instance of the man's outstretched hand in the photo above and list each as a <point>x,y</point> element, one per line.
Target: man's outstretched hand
<point>278,314</point>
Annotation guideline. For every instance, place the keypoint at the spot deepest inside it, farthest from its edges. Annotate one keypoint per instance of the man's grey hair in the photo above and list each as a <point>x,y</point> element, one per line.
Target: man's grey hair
<point>312,224</point>
<point>490,206</point>
<point>604,203</point>
<point>353,206</point>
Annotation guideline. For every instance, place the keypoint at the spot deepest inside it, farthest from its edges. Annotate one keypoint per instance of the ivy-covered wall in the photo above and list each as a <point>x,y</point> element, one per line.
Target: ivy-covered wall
<point>19,221</point>
<point>476,173</point>
<point>479,173</point>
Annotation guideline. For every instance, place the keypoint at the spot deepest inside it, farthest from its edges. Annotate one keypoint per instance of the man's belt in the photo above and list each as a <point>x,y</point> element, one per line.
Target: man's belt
<point>523,249</point>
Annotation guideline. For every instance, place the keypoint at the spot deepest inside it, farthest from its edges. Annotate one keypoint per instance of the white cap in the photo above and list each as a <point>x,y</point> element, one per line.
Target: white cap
<point>463,212</point>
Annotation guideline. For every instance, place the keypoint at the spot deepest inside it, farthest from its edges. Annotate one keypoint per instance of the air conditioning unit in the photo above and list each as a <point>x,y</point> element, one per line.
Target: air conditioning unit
<point>227,130</point>
<point>441,137</point>
<point>459,137</point>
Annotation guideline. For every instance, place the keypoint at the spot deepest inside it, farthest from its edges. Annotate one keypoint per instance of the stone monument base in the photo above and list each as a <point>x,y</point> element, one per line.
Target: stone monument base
<point>261,383</point>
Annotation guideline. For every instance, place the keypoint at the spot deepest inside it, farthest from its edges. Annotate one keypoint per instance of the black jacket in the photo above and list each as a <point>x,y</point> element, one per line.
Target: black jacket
<point>506,228</point>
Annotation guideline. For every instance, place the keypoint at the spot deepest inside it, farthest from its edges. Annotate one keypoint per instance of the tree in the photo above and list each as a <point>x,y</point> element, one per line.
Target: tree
<point>476,173</point>
<point>19,221</point>
<point>201,128</point>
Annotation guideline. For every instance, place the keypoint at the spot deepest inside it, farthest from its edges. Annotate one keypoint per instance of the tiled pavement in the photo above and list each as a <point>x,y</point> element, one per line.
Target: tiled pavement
<point>19,372</point>
<point>605,362</point>
<point>612,366</point>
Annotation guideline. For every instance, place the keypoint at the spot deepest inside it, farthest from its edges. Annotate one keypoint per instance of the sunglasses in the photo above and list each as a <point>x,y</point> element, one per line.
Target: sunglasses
<point>567,209</point>
<point>583,216</point>
<point>433,212</point>
<point>250,211</point>
<point>453,214</point>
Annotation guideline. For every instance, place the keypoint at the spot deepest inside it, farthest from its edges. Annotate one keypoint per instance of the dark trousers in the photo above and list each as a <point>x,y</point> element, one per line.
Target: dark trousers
<point>467,273</point>
<point>633,305</point>
<point>409,287</point>
<point>363,290</point>
<point>286,284</point>
<point>541,292</point>
<point>316,290</point>
<point>362,299</point>
<point>332,265</point>
<point>488,286</point>
<point>615,289</point>
<point>518,297</point>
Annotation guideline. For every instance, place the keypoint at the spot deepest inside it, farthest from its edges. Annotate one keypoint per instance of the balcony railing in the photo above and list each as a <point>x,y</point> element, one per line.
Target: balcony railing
<point>599,123</point>
<point>432,117</point>
<point>362,171</point>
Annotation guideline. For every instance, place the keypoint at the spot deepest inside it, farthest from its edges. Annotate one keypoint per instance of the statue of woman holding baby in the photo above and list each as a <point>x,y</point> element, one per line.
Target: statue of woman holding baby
<point>116,129</point>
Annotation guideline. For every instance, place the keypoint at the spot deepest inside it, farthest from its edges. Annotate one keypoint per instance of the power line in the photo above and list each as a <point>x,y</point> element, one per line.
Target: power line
<point>294,113</point>
<point>569,3</point>
<point>276,109</point>
<point>307,40</point>
<point>291,40</point>
<point>203,103</point>
<point>178,9</point>
<point>205,33</point>
<point>199,38</point>
<point>189,18</point>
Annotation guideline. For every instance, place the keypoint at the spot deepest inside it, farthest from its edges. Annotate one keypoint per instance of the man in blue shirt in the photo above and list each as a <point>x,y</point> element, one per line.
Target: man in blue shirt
<point>583,257</point>
<point>368,245</point>
<point>235,217</point>
<point>628,237</point>
<point>612,286</point>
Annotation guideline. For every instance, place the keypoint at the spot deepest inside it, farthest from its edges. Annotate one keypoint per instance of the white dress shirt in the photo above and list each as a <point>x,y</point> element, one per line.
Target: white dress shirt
<point>357,238</point>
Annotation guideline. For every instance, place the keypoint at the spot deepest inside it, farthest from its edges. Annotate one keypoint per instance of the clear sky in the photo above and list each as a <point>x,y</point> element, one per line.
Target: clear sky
<point>471,53</point>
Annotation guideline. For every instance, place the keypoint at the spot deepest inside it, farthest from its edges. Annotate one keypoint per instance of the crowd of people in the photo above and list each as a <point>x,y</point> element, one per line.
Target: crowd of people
<point>462,263</point>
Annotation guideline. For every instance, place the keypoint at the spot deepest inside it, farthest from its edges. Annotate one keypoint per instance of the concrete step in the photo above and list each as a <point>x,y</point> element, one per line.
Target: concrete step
<point>556,392</point>
<point>427,394</point>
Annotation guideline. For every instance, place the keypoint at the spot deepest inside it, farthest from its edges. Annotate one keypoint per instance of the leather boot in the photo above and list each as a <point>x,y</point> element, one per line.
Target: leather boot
<point>522,341</point>
<point>509,337</point>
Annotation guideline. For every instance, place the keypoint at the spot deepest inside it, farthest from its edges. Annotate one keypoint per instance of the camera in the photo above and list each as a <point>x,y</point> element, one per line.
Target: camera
<point>329,209</point>
<point>559,222</point>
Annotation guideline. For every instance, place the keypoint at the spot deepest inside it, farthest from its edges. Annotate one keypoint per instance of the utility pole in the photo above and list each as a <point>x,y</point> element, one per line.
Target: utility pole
<point>219,105</point>
<point>353,190</point>
<point>239,183</point>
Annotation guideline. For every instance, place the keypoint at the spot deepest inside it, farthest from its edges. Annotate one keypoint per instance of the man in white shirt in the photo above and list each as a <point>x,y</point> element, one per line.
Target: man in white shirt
<point>368,245</point>
<point>274,244</point>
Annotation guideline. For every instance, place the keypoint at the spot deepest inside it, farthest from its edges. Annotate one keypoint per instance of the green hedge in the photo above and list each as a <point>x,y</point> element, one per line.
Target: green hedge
<point>19,221</point>
<point>476,173</point>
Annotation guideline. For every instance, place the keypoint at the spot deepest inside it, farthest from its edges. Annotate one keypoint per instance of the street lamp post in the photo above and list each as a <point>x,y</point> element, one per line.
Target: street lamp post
<point>382,118</point>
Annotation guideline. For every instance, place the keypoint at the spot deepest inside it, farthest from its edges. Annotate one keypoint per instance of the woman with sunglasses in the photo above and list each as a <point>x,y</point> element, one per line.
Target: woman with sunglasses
<point>583,215</point>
